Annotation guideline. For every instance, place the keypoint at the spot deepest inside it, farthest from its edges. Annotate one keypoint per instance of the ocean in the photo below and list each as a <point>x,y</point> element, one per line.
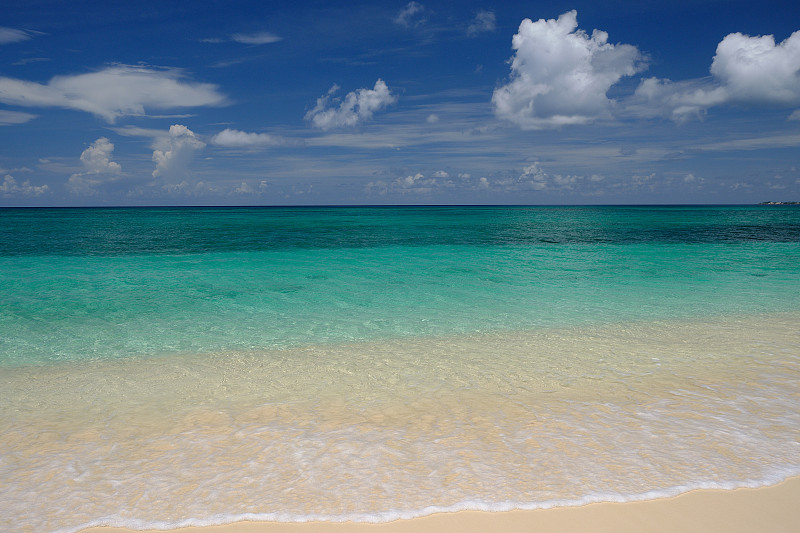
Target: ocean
<point>165,367</point>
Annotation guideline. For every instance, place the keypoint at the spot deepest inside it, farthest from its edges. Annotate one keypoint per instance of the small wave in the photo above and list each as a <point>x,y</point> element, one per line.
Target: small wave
<point>467,505</point>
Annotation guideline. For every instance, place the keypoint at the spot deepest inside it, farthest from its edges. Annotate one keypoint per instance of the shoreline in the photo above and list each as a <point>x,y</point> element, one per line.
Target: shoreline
<point>271,457</point>
<point>771,509</point>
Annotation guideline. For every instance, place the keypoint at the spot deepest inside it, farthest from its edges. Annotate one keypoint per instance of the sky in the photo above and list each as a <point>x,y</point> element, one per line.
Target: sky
<point>240,102</point>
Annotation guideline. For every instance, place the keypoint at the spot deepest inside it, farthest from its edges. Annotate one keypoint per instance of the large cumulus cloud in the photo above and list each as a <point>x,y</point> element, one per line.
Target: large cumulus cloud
<point>746,70</point>
<point>560,75</point>
<point>755,69</point>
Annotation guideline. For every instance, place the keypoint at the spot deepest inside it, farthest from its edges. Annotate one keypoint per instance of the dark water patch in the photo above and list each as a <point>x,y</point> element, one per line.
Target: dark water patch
<point>186,231</point>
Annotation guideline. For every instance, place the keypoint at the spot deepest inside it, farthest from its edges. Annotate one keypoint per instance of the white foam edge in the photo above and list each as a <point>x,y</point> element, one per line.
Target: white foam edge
<point>466,505</point>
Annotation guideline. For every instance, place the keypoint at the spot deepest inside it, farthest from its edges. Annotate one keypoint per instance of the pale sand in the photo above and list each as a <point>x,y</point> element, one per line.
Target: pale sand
<point>766,510</point>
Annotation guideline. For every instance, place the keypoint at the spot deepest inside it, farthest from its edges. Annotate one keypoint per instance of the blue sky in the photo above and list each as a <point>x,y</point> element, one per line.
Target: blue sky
<point>424,102</point>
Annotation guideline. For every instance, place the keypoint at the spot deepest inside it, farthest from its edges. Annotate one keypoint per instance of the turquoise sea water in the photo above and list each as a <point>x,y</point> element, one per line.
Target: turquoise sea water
<point>488,357</point>
<point>103,283</point>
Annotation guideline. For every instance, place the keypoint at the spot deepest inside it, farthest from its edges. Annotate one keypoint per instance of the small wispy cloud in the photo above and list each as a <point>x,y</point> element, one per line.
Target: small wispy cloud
<point>230,138</point>
<point>135,131</point>
<point>484,21</point>
<point>12,35</point>
<point>8,118</point>
<point>113,92</point>
<point>262,37</point>
<point>411,15</point>
<point>29,60</point>
<point>754,143</point>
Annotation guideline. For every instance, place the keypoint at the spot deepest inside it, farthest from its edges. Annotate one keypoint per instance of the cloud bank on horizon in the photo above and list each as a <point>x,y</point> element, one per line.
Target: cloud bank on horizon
<point>561,81</point>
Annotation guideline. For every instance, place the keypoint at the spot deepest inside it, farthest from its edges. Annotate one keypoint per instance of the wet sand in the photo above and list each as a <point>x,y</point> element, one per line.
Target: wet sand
<point>772,509</point>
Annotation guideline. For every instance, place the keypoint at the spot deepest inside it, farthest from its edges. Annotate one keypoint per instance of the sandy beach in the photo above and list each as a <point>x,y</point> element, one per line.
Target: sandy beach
<point>768,510</point>
<point>435,385</point>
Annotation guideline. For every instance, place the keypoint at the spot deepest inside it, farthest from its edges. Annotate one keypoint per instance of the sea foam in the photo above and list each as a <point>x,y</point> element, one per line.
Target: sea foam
<point>378,431</point>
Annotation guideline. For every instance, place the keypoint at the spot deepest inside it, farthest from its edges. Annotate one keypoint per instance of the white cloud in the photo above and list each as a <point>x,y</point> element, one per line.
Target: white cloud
<point>419,184</point>
<point>484,22</point>
<point>411,184</point>
<point>14,117</point>
<point>247,188</point>
<point>440,182</point>
<point>175,152</point>
<point>755,70</point>
<point>795,115</point>
<point>10,187</point>
<point>229,138</point>
<point>244,188</point>
<point>197,189</point>
<point>11,35</point>
<point>357,107</point>
<point>752,143</point>
<point>97,158</point>
<point>534,177</point>
<point>15,170</point>
<point>376,187</point>
<point>135,131</point>
<point>639,179</point>
<point>433,118</point>
<point>678,100</point>
<point>416,184</point>
<point>28,60</point>
<point>560,75</point>
<point>99,168</point>
<point>411,15</point>
<point>410,181</point>
<point>112,92</point>
<point>745,70</point>
<point>263,37</point>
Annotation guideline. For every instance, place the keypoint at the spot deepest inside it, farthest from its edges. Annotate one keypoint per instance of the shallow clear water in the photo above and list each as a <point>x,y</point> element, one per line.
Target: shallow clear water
<point>178,366</point>
<point>94,283</point>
